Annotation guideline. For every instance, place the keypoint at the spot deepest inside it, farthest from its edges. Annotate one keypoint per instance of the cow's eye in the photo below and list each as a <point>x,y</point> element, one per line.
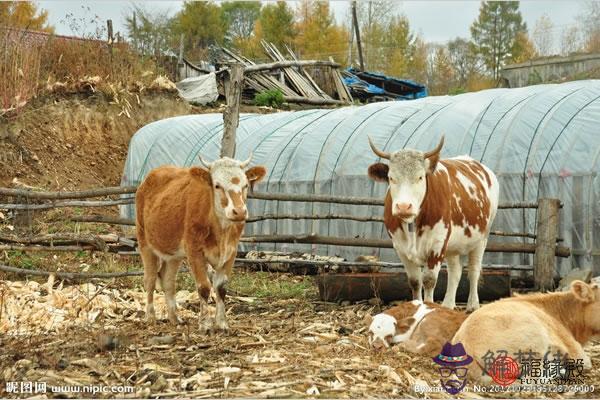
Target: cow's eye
<point>420,178</point>
<point>217,186</point>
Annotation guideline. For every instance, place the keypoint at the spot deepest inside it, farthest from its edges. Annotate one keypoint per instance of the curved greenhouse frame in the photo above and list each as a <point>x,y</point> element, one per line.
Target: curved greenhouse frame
<point>541,141</point>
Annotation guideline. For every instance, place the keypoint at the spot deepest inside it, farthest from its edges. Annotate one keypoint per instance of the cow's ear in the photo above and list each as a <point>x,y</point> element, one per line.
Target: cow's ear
<point>255,174</point>
<point>379,172</point>
<point>582,291</point>
<point>202,174</point>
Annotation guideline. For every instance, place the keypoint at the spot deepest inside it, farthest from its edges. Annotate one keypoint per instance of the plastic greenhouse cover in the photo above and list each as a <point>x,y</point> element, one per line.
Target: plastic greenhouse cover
<point>541,141</point>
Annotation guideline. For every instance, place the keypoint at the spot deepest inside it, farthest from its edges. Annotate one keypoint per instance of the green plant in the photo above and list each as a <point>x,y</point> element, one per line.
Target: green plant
<point>271,98</point>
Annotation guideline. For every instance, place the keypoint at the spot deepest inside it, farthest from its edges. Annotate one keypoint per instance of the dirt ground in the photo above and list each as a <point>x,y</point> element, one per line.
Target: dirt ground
<point>93,334</point>
<point>75,141</point>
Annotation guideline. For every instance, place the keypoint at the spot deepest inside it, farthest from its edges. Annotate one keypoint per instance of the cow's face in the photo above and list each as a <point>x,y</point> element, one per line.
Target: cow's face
<point>406,175</point>
<point>382,329</point>
<point>589,294</point>
<point>230,186</point>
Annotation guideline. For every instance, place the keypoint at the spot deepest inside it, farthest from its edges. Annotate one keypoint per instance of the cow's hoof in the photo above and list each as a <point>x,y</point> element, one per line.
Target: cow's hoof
<point>222,327</point>
<point>150,318</point>
<point>449,305</point>
<point>206,328</point>
<point>471,308</point>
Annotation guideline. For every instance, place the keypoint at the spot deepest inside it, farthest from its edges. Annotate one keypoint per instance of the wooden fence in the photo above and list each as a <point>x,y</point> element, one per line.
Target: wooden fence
<point>546,246</point>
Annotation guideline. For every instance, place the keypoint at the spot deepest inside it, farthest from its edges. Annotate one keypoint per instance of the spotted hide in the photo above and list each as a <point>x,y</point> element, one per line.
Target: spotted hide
<point>435,210</point>
<point>420,328</point>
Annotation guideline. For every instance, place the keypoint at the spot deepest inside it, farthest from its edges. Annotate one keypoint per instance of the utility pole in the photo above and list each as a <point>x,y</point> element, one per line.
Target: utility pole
<point>357,32</point>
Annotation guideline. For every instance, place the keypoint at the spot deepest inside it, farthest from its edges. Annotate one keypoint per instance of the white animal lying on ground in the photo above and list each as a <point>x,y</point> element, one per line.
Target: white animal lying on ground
<point>420,328</point>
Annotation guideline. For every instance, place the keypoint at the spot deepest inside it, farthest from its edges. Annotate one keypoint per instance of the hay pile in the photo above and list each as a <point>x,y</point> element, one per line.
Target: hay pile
<point>96,334</point>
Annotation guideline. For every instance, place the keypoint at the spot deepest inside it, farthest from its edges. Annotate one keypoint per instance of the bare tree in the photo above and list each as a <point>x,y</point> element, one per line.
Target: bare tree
<point>570,41</point>
<point>590,20</point>
<point>542,35</point>
<point>464,60</point>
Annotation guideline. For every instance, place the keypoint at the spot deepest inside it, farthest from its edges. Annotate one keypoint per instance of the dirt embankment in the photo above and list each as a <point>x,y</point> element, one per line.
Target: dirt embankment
<point>77,141</point>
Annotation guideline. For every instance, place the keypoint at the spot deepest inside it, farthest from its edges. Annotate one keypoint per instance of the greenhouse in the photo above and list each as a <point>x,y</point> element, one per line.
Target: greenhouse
<point>541,141</point>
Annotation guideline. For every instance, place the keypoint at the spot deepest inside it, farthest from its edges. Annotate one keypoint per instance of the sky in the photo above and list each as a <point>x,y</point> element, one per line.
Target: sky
<point>436,21</point>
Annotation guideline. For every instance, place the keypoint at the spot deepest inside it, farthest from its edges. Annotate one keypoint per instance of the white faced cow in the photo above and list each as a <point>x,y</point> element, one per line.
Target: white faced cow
<point>196,213</point>
<point>436,209</point>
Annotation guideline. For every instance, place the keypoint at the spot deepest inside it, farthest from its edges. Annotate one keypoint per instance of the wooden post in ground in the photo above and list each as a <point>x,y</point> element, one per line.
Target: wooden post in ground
<point>111,39</point>
<point>545,244</point>
<point>357,32</point>
<point>181,70</point>
<point>234,83</point>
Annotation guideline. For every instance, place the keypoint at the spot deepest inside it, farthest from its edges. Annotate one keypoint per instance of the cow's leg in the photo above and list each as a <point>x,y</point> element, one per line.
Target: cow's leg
<point>220,279</point>
<point>414,275</point>
<point>168,279</point>
<point>454,273</point>
<point>430,277</point>
<point>198,266</point>
<point>151,265</point>
<point>475,258</point>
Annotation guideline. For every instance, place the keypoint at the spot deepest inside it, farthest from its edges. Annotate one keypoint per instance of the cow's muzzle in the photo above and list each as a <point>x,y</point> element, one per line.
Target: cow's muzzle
<point>238,214</point>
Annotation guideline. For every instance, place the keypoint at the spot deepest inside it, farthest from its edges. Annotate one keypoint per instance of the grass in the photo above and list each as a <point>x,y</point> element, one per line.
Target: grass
<point>262,285</point>
<point>269,285</point>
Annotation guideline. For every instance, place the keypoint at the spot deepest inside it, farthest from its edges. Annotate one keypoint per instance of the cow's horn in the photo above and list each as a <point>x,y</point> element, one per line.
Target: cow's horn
<point>436,150</point>
<point>244,164</point>
<point>380,153</point>
<point>205,163</point>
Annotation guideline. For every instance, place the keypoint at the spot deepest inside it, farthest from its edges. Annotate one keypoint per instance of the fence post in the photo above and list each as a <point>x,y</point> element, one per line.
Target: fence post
<point>545,244</point>
<point>234,83</point>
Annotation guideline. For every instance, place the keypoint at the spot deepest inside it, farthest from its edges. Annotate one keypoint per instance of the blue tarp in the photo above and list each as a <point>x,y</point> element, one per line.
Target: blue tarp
<point>369,84</point>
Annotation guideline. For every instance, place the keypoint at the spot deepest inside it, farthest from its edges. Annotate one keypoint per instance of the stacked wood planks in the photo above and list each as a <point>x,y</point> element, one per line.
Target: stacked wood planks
<point>294,81</point>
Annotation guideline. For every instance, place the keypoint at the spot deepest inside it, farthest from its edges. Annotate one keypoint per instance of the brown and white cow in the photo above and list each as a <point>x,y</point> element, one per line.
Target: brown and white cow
<point>418,327</point>
<point>196,213</point>
<point>556,322</point>
<point>436,209</point>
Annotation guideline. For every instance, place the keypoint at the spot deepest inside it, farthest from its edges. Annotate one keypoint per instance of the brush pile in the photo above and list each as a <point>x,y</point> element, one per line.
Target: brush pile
<point>292,77</point>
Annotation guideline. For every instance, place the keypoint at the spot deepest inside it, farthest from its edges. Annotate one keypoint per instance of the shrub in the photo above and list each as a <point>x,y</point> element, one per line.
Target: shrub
<point>272,98</point>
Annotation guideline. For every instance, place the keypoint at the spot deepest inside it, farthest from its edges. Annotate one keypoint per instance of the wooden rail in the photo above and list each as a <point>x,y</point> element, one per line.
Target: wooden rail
<point>528,248</point>
<point>546,247</point>
<point>311,198</point>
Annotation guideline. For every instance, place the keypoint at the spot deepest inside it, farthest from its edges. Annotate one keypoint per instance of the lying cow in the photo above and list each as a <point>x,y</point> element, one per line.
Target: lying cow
<point>436,209</point>
<point>553,322</point>
<point>420,328</point>
<point>196,213</point>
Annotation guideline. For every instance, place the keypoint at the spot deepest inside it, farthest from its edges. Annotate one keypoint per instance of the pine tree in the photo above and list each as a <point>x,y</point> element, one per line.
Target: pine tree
<point>523,49</point>
<point>202,25</point>
<point>276,24</point>
<point>399,46</point>
<point>318,35</point>
<point>494,32</point>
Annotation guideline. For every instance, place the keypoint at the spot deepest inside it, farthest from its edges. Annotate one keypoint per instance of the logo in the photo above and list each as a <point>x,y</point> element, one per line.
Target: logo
<point>504,370</point>
<point>452,362</point>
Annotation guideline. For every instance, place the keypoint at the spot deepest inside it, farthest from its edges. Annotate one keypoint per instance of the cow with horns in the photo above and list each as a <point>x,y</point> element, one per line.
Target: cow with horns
<point>198,213</point>
<point>435,210</point>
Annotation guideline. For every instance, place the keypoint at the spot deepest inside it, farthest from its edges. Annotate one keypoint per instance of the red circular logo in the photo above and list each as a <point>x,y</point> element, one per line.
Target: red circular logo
<point>504,371</point>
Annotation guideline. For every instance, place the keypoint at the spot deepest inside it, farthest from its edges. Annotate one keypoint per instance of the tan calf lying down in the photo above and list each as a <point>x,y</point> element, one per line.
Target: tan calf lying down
<point>420,328</point>
<point>562,321</point>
